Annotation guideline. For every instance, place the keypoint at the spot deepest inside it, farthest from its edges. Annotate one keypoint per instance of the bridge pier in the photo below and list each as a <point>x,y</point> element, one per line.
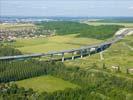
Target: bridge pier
<point>96,50</point>
<point>101,54</point>
<point>63,57</point>
<point>88,51</point>
<point>72,55</point>
<point>81,53</point>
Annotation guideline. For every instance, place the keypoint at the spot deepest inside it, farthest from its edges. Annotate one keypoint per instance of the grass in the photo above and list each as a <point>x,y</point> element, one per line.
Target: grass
<point>56,43</point>
<point>46,83</point>
<point>104,23</point>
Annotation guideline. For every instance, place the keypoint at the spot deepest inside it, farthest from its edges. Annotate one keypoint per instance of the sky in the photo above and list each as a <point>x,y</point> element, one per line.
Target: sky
<point>73,8</point>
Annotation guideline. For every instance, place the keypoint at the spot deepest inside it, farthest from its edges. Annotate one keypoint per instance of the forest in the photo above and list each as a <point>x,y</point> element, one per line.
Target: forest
<point>8,51</point>
<point>94,84</point>
<point>83,30</point>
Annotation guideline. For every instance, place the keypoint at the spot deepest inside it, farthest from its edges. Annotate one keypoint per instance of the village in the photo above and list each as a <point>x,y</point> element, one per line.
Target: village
<point>11,34</point>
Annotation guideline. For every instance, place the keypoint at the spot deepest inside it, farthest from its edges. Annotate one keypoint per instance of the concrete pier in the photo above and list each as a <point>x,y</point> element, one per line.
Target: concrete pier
<point>101,54</point>
<point>72,55</point>
<point>96,49</point>
<point>88,52</point>
<point>63,57</point>
<point>81,53</point>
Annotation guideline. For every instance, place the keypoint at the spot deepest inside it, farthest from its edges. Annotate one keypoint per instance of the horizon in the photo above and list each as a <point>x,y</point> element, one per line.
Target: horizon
<point>72,16</point>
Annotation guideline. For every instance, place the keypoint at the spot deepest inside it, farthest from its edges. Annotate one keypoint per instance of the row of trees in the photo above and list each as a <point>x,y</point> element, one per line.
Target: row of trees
<point>83,30</point>
<point>17,70</point>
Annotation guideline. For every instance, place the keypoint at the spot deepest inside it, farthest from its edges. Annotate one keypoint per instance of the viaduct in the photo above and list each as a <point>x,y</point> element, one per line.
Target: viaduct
<point>83,51</point>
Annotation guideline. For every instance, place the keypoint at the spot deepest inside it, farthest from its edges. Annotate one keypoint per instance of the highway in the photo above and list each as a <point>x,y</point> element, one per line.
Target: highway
<point>82,51</point>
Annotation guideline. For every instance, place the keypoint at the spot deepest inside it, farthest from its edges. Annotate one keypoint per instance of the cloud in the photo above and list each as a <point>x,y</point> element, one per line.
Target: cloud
<point>96,6</point>
<point>38,7</point>
<point>20,6</point>
<point>131,8</point>
<point>32,7</point>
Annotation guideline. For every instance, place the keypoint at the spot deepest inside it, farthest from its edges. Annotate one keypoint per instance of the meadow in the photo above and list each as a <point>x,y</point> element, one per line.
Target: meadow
<point>46,83</point>
<point>56,43</point>
<point>106,23</point>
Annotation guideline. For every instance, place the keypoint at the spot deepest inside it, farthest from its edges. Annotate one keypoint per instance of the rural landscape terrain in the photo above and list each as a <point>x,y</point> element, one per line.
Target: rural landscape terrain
<point>66,49</point>
<point>87,78</point>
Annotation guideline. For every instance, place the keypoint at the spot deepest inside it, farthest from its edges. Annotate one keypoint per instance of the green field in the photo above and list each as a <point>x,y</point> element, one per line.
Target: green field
<point>105,23</point>
<point>46,83</point>
<point>56,43</point>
